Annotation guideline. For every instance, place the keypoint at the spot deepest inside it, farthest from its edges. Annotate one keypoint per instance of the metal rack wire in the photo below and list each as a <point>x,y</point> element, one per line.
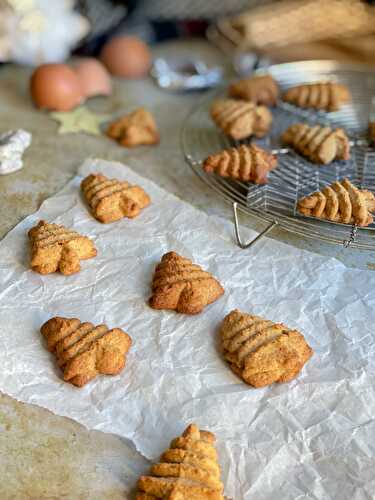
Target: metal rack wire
<point>295,177</point>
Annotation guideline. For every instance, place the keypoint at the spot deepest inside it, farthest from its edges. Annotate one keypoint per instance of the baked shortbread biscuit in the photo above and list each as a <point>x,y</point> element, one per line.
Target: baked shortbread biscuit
<point>246,163</point>
<point>327,96</point>
<point>83,350</point>
<point>371,133</point>
<point>317,143</point>
<point>111,199</point>
<point>182,286</point>
<point>241,119</point>
<point>57,248</point>
<point>340,202</point>
<point>135,129</point>
<point>261,89</point>
<point>262,352</point>
<point>187,470</point>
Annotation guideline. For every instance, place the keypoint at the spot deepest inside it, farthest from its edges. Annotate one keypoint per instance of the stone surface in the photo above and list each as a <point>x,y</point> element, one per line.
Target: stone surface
<point>41,455</point>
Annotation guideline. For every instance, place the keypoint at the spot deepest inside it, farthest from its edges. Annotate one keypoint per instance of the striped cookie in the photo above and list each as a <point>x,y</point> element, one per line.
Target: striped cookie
<point>83,350</point>
<point>56,248</point>
<point>111,200</point>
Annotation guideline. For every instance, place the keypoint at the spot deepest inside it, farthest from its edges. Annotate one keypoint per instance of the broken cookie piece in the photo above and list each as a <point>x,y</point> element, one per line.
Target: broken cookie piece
<point>56,248</point>
<point>111,199</point>
<point>187,470</point>
<point>262,352</point>
<point>135,129</point>
<point>241,119</point>
<point>182,286</point>
<point>83,350</point>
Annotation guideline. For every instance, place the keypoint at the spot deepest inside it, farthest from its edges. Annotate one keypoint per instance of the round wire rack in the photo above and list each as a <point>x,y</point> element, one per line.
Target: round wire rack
<point>275,203</point>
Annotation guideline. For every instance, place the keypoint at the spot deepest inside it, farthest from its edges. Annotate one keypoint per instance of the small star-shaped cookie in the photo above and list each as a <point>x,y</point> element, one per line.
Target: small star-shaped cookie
<point>79,120</point>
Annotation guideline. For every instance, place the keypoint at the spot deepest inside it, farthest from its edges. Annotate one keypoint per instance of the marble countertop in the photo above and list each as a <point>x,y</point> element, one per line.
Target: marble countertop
<point>43,455</point>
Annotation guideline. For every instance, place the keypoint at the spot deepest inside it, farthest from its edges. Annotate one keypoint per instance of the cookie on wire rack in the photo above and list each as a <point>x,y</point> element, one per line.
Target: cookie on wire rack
<point>371,133</point>
<point>262,89</point>
<point>325,96</point>
<point>340,202</point>
<point>318,143</point>
<point>246,163</point>
<point>241,119</point>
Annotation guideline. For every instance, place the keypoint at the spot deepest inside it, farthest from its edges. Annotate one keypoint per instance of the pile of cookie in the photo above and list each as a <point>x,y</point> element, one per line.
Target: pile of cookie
<point>245,113</point>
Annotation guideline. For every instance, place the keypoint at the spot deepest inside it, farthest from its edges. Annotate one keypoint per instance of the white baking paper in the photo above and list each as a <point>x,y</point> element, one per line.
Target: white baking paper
<point>311,438</point>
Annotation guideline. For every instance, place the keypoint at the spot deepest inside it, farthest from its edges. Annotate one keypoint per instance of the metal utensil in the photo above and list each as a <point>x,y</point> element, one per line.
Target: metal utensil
<point>295,176</point>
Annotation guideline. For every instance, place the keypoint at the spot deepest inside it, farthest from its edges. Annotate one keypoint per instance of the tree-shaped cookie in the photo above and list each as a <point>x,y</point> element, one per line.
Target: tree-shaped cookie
<point>258,89</point>
<point>180,285</point>
<point>262,352</point>
<point>83,350</point>
<point>187,470</point>
<point>340,202</point>
<point>327,96</point>
<point>111,199</point>
<point>57,248</point>
<point>241,119</point>
<point>246,163</point>
<point>318,143</point>
<point>135,129</point>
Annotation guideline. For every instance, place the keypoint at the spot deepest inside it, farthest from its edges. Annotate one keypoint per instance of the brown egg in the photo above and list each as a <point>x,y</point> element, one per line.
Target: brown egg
<point>126,56</point>
<point>55,86</point>
<point>93,77</point>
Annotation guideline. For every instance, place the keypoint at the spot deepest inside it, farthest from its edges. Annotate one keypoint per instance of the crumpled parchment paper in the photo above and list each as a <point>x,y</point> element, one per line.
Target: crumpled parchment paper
<point>311,438</point>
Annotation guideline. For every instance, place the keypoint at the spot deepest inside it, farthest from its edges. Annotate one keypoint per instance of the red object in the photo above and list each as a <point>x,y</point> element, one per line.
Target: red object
<point>126,56</point>
<point>93,77</point>
<point>55,87</point>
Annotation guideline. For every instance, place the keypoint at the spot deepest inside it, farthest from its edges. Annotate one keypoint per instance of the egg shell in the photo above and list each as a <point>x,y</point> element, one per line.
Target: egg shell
<point>126,56</point>
<point>93,76</point>
<point>55,87</point>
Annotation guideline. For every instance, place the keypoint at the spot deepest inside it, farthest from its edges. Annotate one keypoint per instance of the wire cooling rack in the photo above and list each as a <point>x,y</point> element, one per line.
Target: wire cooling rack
<point>295,177</point>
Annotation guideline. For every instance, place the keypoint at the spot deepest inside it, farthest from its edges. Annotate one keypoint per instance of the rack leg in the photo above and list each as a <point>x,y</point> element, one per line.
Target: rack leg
<point>237,231</point>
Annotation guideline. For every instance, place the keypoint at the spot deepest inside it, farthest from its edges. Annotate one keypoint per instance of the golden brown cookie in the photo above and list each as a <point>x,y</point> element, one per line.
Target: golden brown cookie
<point>317,143</point>
<point>371,133</point>
<point>182,286</point>
<point>83,350</point>
<point>135,129</point>
<point>56,248</point>
<point>327,96</point>
<point>340,202</point>
<point>262,352</point>
<point>257,89</point>
<point>187,470</point>
<point>111,200</point>
<point>241,119</point>
<point>244,163</point>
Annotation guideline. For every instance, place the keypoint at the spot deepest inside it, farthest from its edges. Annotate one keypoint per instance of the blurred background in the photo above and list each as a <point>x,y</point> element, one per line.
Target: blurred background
<point>37,31</point>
